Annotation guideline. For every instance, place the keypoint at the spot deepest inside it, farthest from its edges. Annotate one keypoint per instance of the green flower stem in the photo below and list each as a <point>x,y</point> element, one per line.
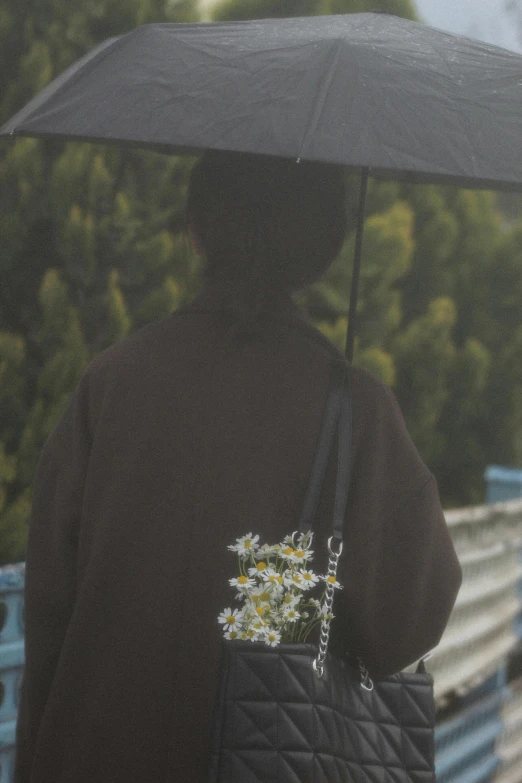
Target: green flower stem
<point>308,628</point>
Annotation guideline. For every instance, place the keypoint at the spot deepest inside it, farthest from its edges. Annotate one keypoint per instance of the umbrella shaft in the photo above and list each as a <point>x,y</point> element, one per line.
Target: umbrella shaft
<point>350,334</point>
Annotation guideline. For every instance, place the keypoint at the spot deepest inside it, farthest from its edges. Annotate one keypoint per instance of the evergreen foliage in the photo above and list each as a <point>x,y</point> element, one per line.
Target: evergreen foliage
<point>92,249</point>
<point>91,245</point>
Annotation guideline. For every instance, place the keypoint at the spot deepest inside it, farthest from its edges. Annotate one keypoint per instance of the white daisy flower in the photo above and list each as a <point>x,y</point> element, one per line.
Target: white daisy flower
<point>326,615</point>
<point>272,637</point>
<point>230,619</point>
<point>300,556</point>
<point>259,568</point>
<point>232,635</point>
<point>309,578</point>
<point>249,613</point>
<point>304,540</point>
<point>291,614</point>
<point>270,576</point>
<point>261,595</point>
<point>331,580</point>
<point>295,579</point>
<point>286,552</point>
<point>242,582</point>
<point>265,552</point>
<point>245,545</point>
<point>251,634</point>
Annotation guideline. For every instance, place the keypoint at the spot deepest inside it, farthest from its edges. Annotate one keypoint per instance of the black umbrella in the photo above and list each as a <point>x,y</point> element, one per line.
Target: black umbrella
<point>377,93</point>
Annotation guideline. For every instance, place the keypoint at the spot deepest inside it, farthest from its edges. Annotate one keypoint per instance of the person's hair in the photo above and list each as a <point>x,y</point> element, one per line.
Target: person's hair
<point>264,224</point>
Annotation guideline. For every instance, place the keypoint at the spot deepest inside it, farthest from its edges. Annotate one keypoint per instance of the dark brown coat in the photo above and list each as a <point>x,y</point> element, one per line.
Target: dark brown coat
<point>176,441</point>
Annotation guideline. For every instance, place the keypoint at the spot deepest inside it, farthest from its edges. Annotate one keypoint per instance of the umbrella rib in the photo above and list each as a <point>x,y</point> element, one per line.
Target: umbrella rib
<point>465,129</point>
<point>321,99</point>
<point>63,81</point>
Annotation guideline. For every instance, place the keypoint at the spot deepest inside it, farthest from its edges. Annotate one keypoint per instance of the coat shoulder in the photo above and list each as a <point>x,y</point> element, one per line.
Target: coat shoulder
<point>131,349</point>
<point>373,396</point>
<point>126,364</point>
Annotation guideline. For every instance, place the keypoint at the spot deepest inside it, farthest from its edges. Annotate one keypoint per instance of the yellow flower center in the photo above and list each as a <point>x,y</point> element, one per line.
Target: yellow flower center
<point>264,597</point>
<point>261,566</point>
<point>248,543</point>
<point>242,580</point>
<point>231,619</point>
<point>307,576</point>
<point>288,550</point>
<point>296,578</point>
<point>250,633</point>
<point>260,610</point>
<point>272,637</point>
<point>233,634</point>
<point>299,553</point>
<point>331,579</point>
<point>279,579</point>
<point>288,599</point>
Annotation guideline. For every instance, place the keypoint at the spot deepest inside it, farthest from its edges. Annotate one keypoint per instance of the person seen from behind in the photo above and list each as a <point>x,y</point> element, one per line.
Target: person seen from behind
<point>184,436</point>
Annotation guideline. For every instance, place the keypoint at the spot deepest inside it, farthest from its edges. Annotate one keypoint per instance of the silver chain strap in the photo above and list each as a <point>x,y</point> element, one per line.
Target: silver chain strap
<point>326,621</point>
<point>326,610</point>
<point>366,681</point>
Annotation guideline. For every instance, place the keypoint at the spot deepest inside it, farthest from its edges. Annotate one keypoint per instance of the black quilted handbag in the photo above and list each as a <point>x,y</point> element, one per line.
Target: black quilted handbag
<point>297,713</point>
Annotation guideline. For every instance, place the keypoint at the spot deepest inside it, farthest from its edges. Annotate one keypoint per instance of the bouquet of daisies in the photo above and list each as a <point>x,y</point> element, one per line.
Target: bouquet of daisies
<point>276,591</point>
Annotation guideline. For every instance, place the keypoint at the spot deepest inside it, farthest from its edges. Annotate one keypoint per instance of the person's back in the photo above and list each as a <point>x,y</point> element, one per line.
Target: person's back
<point>198,429</point>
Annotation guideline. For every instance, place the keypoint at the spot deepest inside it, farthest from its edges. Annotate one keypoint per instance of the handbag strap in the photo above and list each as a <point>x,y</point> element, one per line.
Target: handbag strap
<point>337,416</point>
<point>322,453</point>
<point>335,542</point>
<point>344,456</point>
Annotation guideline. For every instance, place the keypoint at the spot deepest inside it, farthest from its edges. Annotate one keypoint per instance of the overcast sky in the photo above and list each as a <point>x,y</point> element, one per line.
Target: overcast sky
<point>495,21</point>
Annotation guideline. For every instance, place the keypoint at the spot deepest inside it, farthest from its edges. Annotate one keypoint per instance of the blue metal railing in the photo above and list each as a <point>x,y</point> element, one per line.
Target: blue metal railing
<point>502,483</point>
<point>465,743</point>
<point>11,662</point>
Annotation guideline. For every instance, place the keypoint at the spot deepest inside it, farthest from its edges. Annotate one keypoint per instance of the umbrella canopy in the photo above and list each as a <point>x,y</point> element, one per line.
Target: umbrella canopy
<point>363,90</point>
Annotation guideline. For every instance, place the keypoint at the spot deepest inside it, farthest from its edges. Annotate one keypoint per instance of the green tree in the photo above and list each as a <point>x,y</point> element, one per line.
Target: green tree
<point>227,10</point>
<point>502,287</point>
<point>91,244</point>
<point>425,355</point>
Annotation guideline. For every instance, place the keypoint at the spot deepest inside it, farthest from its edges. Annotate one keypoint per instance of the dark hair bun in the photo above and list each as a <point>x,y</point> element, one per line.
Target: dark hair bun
<point>265,223</point>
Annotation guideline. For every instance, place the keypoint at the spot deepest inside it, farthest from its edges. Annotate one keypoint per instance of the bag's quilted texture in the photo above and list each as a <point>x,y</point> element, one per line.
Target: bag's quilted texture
<point>277,722</point>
